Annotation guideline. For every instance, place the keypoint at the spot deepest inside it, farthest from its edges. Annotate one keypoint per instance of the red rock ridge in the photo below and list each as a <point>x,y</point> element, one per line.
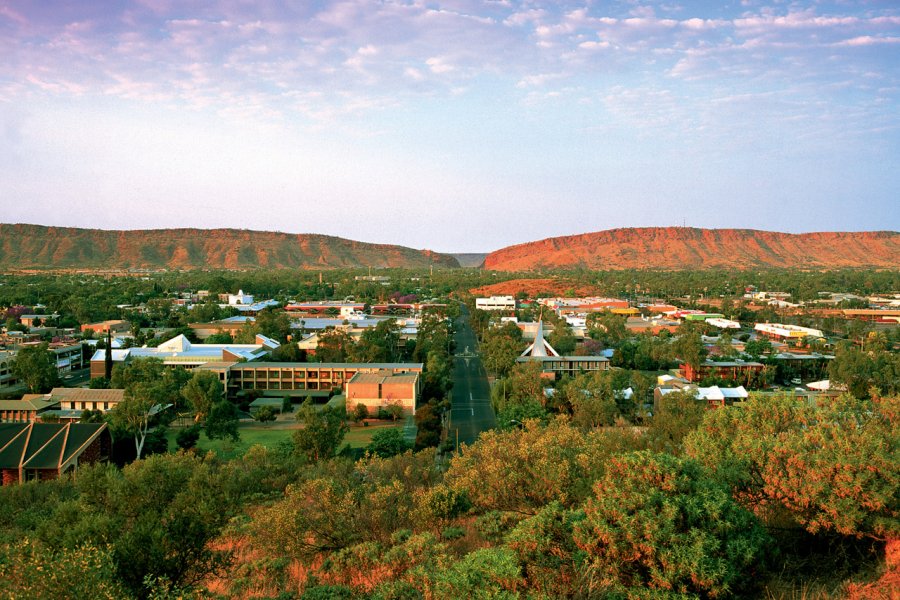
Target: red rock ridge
<point>689,248</point>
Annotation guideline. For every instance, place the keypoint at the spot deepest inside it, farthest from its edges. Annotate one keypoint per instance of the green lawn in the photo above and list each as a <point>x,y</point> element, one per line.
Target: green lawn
<point>360,437</point>
<point>270,436</point>
<point>252,435</point>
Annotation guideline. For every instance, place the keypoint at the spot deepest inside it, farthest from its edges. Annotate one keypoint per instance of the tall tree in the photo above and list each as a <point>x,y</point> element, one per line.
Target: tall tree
<point>202,391</point>
<point>223,421</point>
<point>107,356</point>
<point>36,367</point>
<point>322,433</point>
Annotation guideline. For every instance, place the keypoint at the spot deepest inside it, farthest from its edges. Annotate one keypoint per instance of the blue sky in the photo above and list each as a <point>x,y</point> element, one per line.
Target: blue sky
<point>457,125</point>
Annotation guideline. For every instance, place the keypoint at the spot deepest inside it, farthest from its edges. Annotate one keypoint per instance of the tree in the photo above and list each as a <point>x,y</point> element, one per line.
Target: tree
<point>202,391</point>
<point>335,345</point>
<point>656,522</point>
<point>758,347</point>
<point>562,339</point>
<point>222,421</point>
<point>135,414</point>
<point>265,414</point>
<point>689,348</point>
<point>676,415</point>
<point>36,367</point>
<point>108,356</point>
<point>274,323</point>
<point>360,412</point>
<point>188,437</point>
<point>322,433</point>
<point>379,343</point>
<point>607,327</point>
<point>150,389</point>
<point>388,442</point>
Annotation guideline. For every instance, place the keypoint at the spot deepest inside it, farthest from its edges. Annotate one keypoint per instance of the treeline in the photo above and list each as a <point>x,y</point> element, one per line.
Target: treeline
<point>743,502</point>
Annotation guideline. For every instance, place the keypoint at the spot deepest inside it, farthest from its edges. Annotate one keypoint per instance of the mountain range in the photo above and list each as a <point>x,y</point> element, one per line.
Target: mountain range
<point>39,247</point>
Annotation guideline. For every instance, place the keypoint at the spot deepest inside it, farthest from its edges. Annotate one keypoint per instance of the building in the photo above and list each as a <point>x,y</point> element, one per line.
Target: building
<point>179,352</point>
<point>69,403</point>
<point>239,299</point>
<point>27,410</point>
<point>37,320</point>
<point>297,379</point>
<point>230,325</point>
<point>381,390</point>
<point>736,370</point>
<point>7,378</point>
<point>555,365</point>
<point>714,396</point>
<point>115,326</point>
<point>506,303</point>
<point>325,307</point>
<point>779,331</point>
<point>723,323</point>
<point>43,451</point>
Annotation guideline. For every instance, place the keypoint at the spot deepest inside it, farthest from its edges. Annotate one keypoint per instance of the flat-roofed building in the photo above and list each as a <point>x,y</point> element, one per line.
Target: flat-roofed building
<point>298,379</point>
<point>382,390</point>
<point>7,378</point>
<point>115,326</point>
<point>737,370</point>
<point>780,331</point>
<point>27,410</point>
<point>506,303</point>
<point>179,352</point>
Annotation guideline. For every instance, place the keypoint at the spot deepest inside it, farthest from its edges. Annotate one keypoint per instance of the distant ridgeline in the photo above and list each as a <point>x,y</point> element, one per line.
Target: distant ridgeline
<point>39,247</point>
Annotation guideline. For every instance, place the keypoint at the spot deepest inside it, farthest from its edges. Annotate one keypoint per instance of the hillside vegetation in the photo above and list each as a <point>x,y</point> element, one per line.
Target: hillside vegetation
<point>35,246</point>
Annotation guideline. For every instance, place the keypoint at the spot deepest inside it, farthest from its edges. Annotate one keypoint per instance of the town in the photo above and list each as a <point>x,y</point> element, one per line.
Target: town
<point>436,362</point>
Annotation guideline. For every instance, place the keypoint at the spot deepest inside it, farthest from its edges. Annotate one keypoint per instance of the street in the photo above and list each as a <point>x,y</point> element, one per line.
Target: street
<point>471,411</point>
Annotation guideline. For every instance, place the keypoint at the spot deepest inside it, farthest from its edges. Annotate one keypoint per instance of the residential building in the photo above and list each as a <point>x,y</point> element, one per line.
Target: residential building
<point>27,410</point>
<point>714,396</point>
<point>381,390</point>
<point>45,451</point>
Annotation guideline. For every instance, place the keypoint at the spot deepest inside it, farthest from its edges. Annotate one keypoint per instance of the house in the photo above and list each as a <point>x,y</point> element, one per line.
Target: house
<point>47,450</point>
<point>383,389</point>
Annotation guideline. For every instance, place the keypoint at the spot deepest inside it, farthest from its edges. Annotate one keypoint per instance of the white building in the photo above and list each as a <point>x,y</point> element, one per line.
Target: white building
<point>239,299</point>
<point>723,323</point>
<point>781,331</point>
<point>496,303</point>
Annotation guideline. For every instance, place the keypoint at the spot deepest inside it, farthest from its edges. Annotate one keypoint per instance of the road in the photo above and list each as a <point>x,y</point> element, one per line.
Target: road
<point>471,411</point>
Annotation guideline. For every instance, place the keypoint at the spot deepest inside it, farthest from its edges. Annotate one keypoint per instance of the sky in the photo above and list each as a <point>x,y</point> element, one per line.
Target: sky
<point>457,125</point>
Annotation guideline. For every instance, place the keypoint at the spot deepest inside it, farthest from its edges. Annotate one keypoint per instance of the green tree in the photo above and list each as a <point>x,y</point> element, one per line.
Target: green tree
<point>360,412</point>
<point>562,339</point>
<point>335,345</point>
<point>274,323</point>
<point>379,343</point>
<point>202,391</point>
<point>223,421</point>
<point>656,522</point>
<point>676,415</point>
<point>265,414</point>
<point>36,367</point>
<point>388,442</point>
<point>322,433</point>
<point>188,437</point>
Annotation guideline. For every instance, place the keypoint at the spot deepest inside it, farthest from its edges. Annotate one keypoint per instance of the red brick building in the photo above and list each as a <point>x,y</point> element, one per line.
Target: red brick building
<point>47,450</point>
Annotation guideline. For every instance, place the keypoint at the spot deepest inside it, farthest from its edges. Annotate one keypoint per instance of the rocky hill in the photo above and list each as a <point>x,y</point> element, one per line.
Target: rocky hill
<point>690,248</point>
<point>36,246</point>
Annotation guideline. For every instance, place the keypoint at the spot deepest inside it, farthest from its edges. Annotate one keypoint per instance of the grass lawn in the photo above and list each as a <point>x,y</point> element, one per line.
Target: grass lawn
<point>251,435</point>
<point>360,437</point>
<point>271,436</point>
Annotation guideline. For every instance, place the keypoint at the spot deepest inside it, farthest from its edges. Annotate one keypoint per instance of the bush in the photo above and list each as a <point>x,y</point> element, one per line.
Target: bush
<point>265,414</point>
<point>187,438</point>
<point>657,522</point>
<point>388,442</point>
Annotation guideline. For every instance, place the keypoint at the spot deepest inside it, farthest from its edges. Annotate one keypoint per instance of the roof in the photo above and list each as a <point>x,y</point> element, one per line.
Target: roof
<point>85,394</point>
<point>384,377</point>
<point>180,349</point>
<point>28,402</point>
<point>540,348</point>
<point>45,445</point>
<point>317,365</point>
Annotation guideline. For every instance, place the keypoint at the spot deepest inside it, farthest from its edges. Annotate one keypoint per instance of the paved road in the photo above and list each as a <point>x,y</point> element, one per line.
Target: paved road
<point>471,411</point>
